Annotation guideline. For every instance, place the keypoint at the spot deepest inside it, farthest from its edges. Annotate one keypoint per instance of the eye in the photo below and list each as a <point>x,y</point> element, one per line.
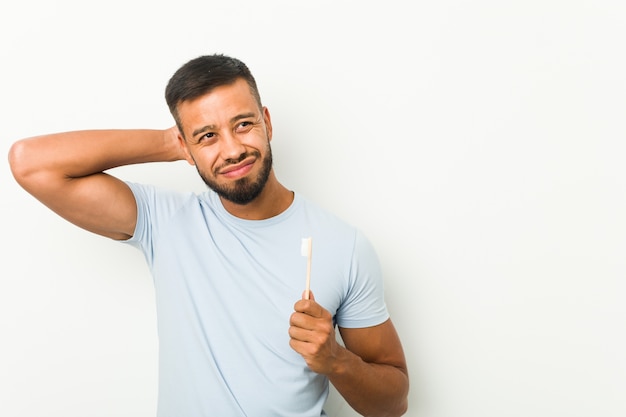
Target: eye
<point>243,126</point>
<point>207,137</point>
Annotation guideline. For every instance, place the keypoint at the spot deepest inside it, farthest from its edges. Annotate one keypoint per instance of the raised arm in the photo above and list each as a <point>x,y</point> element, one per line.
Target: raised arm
<point>65,171</point>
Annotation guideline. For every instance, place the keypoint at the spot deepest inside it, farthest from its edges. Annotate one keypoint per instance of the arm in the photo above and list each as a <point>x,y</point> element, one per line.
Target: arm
<point>65,171</point>
<point>370,372</point>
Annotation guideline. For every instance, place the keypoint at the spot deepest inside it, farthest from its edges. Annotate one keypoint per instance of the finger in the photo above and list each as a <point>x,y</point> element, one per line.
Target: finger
<point>309,307</point>
<point>312,309</point>
<point>301,334</point>
<point>301,321</point>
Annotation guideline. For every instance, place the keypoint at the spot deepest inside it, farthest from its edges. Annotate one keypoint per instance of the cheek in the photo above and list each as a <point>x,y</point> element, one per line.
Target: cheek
<point>204,158</point>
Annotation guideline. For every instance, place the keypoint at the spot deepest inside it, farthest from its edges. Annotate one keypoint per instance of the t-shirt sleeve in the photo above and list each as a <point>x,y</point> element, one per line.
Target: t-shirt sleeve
<point>155,207</point>
<point>364,305</point>
<point>142,235</point>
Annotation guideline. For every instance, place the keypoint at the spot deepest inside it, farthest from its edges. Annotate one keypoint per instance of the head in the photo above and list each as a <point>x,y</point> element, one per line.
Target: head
<point>201,75</point>
<point>225,131</point>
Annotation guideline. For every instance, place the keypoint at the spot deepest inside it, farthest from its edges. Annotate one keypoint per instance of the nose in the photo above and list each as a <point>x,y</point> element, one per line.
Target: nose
<point>232,148</point>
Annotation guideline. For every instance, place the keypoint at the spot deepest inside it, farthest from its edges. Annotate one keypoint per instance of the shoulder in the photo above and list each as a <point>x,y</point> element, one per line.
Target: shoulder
<point>155,195</point>
<point>157,204</point>
<point>324,216</point>
<point>337,237</point>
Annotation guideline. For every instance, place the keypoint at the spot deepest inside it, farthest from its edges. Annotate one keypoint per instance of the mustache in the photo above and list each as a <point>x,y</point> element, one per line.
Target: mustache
<point>235,161</point>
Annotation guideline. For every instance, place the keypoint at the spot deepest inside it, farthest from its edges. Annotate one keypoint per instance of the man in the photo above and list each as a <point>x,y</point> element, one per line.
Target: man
<point>238,336</point>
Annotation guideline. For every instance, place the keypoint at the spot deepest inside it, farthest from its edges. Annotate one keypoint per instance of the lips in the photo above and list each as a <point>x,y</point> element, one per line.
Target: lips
<point>239,169</point>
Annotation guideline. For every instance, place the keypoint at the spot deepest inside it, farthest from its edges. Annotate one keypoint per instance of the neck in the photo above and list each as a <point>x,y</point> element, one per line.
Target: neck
<point>273,200</point>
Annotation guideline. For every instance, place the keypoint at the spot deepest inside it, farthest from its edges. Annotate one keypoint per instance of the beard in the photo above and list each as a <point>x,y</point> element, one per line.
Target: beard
<point>243,190</point>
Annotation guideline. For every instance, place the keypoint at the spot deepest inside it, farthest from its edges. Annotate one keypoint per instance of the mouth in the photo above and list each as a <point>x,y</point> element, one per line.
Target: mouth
<point>239,169</point>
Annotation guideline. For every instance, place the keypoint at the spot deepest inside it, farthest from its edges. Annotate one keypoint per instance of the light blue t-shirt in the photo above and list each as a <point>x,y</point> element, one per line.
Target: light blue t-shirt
<point>225,289</point>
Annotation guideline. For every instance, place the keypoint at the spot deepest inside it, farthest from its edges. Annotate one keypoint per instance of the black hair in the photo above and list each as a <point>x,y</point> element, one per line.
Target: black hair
<point>201,75</point>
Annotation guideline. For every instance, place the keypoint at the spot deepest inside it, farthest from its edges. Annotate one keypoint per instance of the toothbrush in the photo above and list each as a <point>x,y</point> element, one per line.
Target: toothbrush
<point>306,249</point>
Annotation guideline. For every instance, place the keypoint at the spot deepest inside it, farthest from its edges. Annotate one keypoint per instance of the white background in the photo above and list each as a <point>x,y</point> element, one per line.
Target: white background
<point>480,146</point>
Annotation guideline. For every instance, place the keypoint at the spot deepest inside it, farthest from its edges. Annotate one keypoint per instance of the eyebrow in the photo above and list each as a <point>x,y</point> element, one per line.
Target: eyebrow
<point>211,127</point>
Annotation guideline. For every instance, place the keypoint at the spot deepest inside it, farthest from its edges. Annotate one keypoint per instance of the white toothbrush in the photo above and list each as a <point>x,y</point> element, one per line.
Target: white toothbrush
<point>306,249</point>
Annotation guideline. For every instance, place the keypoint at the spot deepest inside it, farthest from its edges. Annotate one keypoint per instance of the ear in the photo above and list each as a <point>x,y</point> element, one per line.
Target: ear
<point>185,150</point>
<point>268,123</point>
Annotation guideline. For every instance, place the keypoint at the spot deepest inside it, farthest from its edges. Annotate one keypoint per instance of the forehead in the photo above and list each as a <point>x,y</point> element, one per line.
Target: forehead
<point>218,105</point>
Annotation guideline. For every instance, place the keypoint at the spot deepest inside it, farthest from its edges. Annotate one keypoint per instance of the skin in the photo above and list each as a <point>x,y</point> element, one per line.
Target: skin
<point>226,136</point>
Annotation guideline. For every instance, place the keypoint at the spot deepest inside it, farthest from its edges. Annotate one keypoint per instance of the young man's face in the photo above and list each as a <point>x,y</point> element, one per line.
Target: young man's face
<point>227,138</point>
